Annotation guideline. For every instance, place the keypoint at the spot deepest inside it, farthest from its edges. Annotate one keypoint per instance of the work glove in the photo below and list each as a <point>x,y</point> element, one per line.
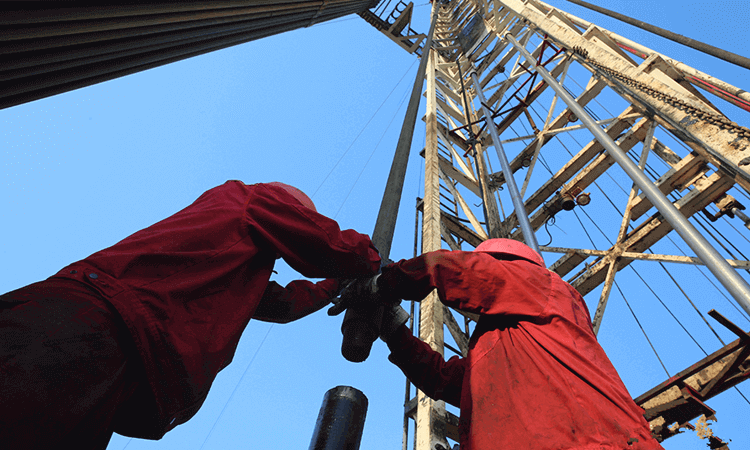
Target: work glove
<point>393,317</point>
<point>358,291</point>
<point>355,293</point>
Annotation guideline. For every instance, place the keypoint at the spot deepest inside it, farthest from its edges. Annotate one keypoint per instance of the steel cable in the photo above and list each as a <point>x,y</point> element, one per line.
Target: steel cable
<point>371,154</point>
<point>625,299</point>
<point>363,129</point>
<point>236,386</point>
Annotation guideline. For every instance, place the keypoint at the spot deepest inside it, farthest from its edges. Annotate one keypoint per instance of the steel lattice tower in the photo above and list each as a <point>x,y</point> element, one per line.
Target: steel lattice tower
<point>651,125</point>
<point>487,58</point>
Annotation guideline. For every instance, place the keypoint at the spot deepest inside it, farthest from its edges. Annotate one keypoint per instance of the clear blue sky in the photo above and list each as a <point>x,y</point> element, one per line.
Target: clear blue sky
<point>84,169</point>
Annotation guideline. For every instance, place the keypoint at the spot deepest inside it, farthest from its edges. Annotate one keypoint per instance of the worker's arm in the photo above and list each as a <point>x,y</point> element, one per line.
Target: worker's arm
<point>283,304</point>
<point>312,244</point>
<point>426,368</point>
<point>470,281</point>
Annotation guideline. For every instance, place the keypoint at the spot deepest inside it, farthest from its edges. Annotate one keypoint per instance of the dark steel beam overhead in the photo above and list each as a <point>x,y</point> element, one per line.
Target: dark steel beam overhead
<point>47,49</point>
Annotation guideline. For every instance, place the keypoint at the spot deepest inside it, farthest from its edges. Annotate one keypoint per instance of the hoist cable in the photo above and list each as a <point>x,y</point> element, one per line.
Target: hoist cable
<point>363,129</point>
<point>406,94</point>
<point>642,330</point>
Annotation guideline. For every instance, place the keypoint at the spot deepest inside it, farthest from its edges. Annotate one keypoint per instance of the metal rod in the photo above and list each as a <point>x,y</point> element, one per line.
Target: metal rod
<point>515,195</point>
<point>382,235</point>
<point>728,277</point>
<point>680,39</point>
<point>341,420</point>
<point>493,228</point>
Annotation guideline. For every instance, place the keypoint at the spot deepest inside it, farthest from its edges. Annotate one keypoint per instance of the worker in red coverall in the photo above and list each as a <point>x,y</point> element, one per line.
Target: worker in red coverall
<point>131,338</point>
<point>535,376</point>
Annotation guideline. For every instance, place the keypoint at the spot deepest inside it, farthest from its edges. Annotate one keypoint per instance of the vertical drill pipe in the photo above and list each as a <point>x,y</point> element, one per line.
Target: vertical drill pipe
<point>361,325</point>
<point>727,276</point>
<point>515,195</point>
<point>385,224</point>
<point>341,420</point>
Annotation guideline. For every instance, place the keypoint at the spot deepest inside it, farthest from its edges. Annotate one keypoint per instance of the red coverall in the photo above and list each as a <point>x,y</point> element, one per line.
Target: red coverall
<point>535,376</point>
<point>187,286</point>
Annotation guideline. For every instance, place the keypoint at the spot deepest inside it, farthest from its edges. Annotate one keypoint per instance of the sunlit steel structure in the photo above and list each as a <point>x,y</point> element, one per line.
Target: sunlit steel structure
<point>500,75</point>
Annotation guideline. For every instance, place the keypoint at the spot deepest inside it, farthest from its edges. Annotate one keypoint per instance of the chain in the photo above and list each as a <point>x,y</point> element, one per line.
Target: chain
<point>716,119</point>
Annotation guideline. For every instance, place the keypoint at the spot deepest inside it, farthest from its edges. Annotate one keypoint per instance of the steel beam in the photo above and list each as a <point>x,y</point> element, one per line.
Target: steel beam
<point>430,414</point>
<point>382,236</point>
<point>47,48</point>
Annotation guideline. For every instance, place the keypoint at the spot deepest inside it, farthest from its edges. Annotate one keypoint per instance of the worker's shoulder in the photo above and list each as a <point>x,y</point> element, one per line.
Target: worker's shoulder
<point>232,191</point>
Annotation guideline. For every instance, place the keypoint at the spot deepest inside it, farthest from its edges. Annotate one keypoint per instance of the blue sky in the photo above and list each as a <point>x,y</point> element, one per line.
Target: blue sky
<point>84,169</point>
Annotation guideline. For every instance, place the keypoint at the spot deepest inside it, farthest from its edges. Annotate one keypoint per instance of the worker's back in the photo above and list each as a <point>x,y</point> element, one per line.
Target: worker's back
<point>535,376</point>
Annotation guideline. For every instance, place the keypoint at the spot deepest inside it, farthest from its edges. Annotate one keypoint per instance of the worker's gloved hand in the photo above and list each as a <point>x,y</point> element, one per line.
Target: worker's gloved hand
<point>355,293</point>
<point>393,317</point>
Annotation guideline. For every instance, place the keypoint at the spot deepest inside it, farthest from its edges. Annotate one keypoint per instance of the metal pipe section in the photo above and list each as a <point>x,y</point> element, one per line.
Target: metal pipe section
<point>493,224</point>
<point>361,325</point>
<point>385,225</point>
<point>49,49</point>
<point>341,420</point>
<point>515,195</point>
<point>727,276</point>
<point>680,39</point>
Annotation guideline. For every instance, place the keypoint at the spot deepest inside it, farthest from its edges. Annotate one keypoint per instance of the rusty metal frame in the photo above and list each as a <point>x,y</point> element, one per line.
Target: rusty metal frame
<point>673,403</point>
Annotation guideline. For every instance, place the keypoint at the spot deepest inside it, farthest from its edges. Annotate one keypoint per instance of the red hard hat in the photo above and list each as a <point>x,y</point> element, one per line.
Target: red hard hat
<point>296,193</point>
<point>510,247</point>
